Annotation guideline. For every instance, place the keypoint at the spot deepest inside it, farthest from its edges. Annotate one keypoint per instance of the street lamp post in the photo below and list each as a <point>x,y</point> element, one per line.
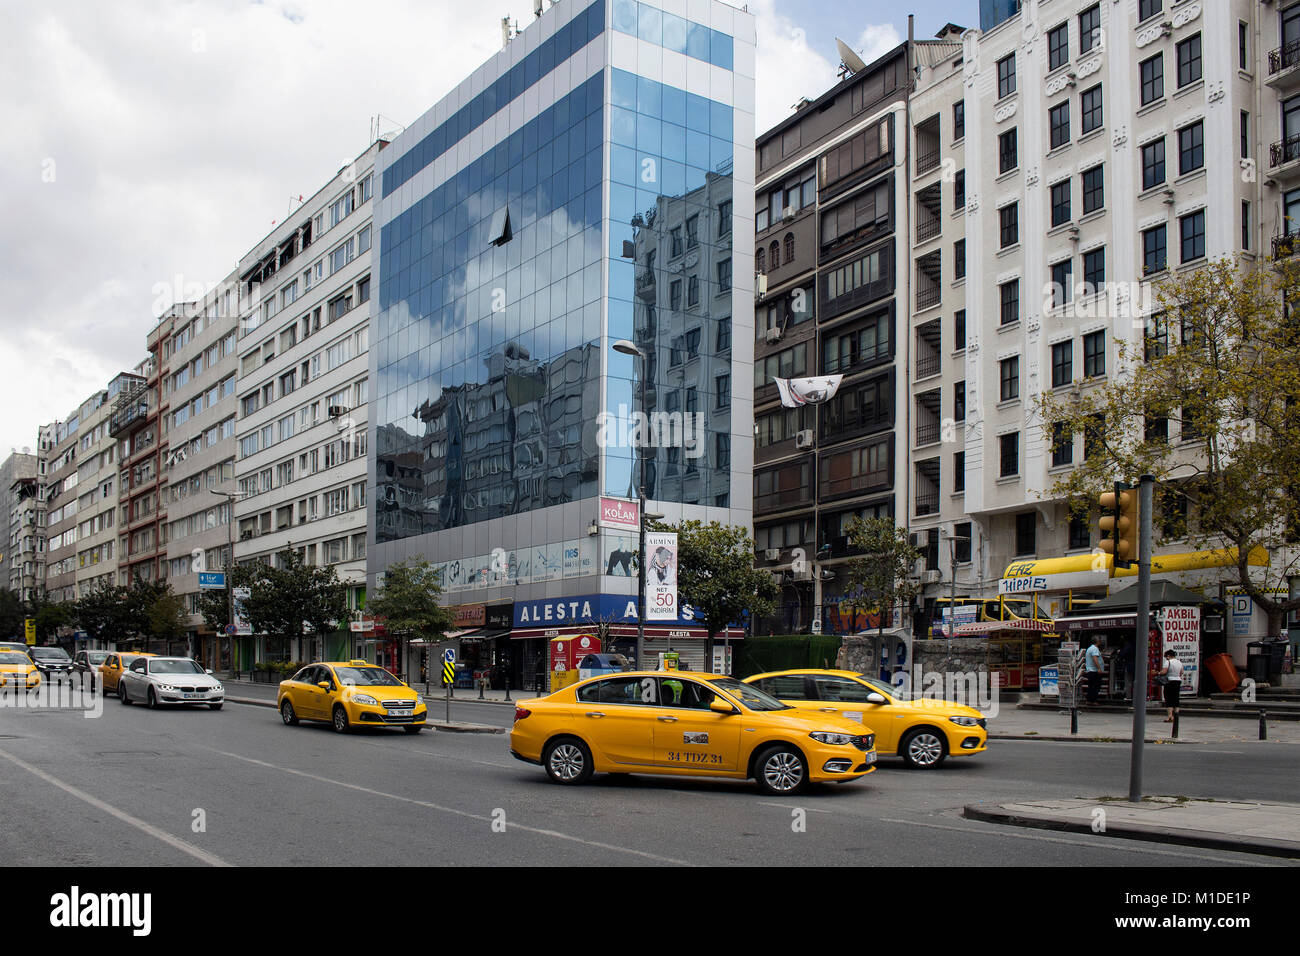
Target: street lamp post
<point>231,497</point>
<point>953,541</point>
<point>626,347</point>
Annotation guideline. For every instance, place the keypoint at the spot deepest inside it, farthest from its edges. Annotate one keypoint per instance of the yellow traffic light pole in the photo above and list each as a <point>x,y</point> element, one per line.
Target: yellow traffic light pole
<point>1142,523</point>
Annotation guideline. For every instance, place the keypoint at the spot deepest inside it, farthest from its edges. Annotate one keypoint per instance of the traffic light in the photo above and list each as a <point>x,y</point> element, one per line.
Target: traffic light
<point>1119,524</point>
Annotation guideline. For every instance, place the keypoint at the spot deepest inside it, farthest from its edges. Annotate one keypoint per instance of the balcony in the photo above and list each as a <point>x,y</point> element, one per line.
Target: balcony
<point>927,487</point>
<point>929,209</point>
<point>927,146</point>
<point>1284,161</point>
<point>929,355</point>
<point>1284,67</point>
<point>929,424</point>
<point>1285,246</point>
<point>929,288</point>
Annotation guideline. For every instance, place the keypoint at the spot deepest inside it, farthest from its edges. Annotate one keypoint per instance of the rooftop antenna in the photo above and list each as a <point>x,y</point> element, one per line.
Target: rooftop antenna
<point>508,31</point>
<point>537,8</point>
<point>850,62</point>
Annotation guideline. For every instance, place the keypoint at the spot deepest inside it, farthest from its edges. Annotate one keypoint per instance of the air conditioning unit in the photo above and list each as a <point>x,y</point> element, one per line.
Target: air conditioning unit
<point>772,554</point>
<point>804,439</point>
<point>245,535</point>
<point>760,284</point>
<point>930,577</point>
<point>774,335</point>
<point>787,213</point>
<point>1169,197</point>
<point>335,411</point>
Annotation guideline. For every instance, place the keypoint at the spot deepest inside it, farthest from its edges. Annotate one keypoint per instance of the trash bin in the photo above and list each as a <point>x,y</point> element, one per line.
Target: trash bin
<point>1275,653</point>
<point>1257,661</point>
<point>1223,670</point>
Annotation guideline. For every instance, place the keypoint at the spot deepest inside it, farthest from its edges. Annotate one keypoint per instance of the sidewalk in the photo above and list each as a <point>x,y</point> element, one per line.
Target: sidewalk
<point>1268,828</point>
<point>1022,723</point>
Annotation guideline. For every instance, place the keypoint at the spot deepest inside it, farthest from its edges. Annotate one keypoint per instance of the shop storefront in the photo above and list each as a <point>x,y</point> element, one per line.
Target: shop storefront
<point>1016,649</point>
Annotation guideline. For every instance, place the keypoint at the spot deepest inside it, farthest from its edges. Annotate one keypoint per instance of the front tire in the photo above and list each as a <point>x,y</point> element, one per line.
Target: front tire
<point>215,706</point>
<point>287,715</point>
<point>781,771</point>
<point>121,693</point>
<point>413,728</point>
<point>923,749</point>
<point>567,761</point>
<point>340,720</point>
<point>151,701</point>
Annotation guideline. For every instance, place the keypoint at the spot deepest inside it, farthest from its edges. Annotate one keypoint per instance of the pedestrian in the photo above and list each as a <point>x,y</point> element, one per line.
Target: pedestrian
<point>1128,659</point>
<point>1092,668</point>
<point>1173,675</point>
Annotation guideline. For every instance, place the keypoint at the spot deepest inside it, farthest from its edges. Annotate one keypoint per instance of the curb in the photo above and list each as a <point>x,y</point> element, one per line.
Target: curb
<point>1098,739</point>
<point>452,728</point>
<point>1197,838</point>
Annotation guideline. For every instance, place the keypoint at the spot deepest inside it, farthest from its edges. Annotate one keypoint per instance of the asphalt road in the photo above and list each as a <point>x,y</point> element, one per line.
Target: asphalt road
<point>133,786</point>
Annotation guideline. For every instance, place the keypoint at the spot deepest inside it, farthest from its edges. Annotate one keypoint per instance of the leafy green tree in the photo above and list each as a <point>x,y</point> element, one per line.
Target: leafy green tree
<point>1207,402</point>
<point>286,599</point>
<point>716,574</point>
<point>103,613</point>
<point>49,615</point>
<point>167,618</point>
<point>881,578</point>
<point>13,615</point>
<point>408,604</point>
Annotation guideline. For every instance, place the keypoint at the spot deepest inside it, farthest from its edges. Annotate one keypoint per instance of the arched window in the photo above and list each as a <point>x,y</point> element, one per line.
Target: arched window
<point>774,251</point>
<point>789,247</point>
<point>760,260</point>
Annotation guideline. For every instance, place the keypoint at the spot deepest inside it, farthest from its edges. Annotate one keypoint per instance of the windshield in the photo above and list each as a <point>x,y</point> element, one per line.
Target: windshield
<point>174,667</point>
<point>13,657</point>
<point>749,695</point>
<point>366,677</point>
<point>883,687</point>
<point>51,653</point>
<point>96,657</point>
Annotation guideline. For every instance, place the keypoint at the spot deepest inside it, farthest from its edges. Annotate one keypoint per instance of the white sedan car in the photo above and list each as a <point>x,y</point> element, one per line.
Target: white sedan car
<point>169,680</point>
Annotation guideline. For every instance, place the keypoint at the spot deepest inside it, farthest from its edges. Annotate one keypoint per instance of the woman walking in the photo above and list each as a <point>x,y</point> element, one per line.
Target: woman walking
<point>1173,675</point>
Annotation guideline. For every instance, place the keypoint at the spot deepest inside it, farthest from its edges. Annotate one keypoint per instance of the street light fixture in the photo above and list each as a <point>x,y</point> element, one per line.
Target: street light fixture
<point>626,347</point>
<point>231,497</point>
<point>953,541</point>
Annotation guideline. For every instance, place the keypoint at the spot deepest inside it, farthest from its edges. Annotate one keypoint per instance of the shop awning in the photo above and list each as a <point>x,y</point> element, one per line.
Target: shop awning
<point>1020,625</point>
<point>1098,622</point>
<point>484,633</point>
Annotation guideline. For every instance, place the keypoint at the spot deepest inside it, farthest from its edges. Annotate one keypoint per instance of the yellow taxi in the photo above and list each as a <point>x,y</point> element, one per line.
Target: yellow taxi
<point>690,724</point>
<point>17,672</point>
<point>110,672</point>
<point>350,694</point>
<point>923,732</point>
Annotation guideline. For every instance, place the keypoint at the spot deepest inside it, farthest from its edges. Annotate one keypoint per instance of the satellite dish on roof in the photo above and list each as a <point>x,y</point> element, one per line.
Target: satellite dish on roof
<point>852,62</point>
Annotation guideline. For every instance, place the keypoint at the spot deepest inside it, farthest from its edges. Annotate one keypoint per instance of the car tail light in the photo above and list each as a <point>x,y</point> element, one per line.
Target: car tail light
<point>521,713</point>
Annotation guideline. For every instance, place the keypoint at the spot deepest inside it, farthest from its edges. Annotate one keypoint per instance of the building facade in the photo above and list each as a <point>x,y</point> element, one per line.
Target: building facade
<point>581,188</point>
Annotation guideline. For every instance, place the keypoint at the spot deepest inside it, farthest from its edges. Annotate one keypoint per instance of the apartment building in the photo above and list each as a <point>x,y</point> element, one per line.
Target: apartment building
<point>303,387</point>
<point>1104,146</point>
<point>18,515</point>
<point>197,422</point>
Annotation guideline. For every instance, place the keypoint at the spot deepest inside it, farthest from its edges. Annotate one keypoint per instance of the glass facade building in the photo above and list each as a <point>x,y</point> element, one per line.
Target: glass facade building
<point>578,189</point>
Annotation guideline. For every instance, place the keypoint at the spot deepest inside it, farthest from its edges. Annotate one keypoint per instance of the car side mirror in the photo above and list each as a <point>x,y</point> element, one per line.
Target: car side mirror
<point>323,685</point>
<point>208,671</point>
<point>720,706</point>
<point>874,698</point>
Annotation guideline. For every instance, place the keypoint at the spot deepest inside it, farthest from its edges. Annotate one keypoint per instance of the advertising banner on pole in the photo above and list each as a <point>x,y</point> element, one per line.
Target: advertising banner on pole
<point>661,576</point>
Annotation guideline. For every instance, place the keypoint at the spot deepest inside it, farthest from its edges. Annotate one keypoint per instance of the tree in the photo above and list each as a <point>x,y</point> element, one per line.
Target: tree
<point>408,604</point>
<point>1218,361</point>
<point>167,618</point>
<point>288,598</point>
<point>13,615</point>
<point>103,613</point>
<point>881,577</point>
<point>716,574</point>
<point>49,615</point>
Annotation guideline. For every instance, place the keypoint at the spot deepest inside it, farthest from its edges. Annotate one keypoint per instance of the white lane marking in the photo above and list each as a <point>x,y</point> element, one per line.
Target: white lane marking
<point>783,806</point>
<point>452,810</point>
<point>1113,844</point>
<point>203,856</point>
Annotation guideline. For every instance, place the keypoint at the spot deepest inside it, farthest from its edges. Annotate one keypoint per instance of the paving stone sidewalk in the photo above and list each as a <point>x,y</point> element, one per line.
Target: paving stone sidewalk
<point>1012,723</point>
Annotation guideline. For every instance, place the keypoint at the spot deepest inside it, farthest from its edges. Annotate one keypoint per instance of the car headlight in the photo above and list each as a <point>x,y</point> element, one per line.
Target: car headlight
<point>364,699</point>
<point>965,721</point>
<point>829,737</point>
<point>166,687</point>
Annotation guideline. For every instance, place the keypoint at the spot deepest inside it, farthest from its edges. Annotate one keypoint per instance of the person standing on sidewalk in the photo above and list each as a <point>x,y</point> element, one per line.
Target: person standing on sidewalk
<point>1173,675</point>
<point>1092,670</point>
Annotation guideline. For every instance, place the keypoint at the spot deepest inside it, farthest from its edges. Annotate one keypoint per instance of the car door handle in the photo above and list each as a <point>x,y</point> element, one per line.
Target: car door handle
<point>667,719</point>
<point>594,713</point>
<point>828,710</point>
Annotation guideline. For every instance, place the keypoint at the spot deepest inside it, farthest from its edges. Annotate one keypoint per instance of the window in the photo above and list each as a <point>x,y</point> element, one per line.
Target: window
<point>1094,270</point>
<point>1090,117</point>
<point>1148,9</point>
<point>675,295</point>
<point>1009,373</point>
<point>723,341</point>
<point>1243,56</point>
<point>1153,164</point>
<point>1191,148</point>
<point>774,253</point>
<point>1062,282</point>
<point>1152,76</point>
<point>1094,354</point>
<point>692,231</point>
<point>789,248</point>
<point>1009,225</point>
<point>959,119</point>
<point>1009,455</point>
<point>675,234</point>
<point>1189,60</point>
<point>760,260</point>
<point>1090,28</point>
<point>959,484</point>
<point>959,259</point>
<point>1007,159</point>
<point>1154,250</point>
<point>1058,46</point>
<point>1192,233</point>
<point>959,402</point>
<point>724,218</point>
<point>1061,203</point>
<point>1094,193</point>
<point>1026,539</point>
<point>1009,293</point>
<point>722,388</point>
<point>1245,134</point>
<point>959,190</point>
<point>1062,364</point>
<point>1006,76</point>
<point>692,290</point>
<point>1079,532</point>
<point>1058,118</point>
<point>1245,225</point>
<point>959,330</point>
<point>1156,340</point>
<point>724,276</point>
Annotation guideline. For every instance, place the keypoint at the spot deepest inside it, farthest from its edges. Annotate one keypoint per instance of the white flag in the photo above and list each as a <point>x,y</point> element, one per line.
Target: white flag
<point>807,391</point>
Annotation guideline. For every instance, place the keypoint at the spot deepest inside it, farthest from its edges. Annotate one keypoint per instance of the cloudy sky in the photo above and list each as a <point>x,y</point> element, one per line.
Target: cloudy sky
<point>149,144</point>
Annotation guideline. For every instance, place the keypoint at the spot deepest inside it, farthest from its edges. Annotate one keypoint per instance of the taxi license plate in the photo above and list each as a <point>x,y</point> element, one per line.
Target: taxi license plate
<point>870,758</point>
<point>193,696</point>
<point>400,713</point>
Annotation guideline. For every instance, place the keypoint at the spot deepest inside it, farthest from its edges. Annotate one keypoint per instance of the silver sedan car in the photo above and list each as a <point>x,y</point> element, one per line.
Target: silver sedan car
<point>169,680</point>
